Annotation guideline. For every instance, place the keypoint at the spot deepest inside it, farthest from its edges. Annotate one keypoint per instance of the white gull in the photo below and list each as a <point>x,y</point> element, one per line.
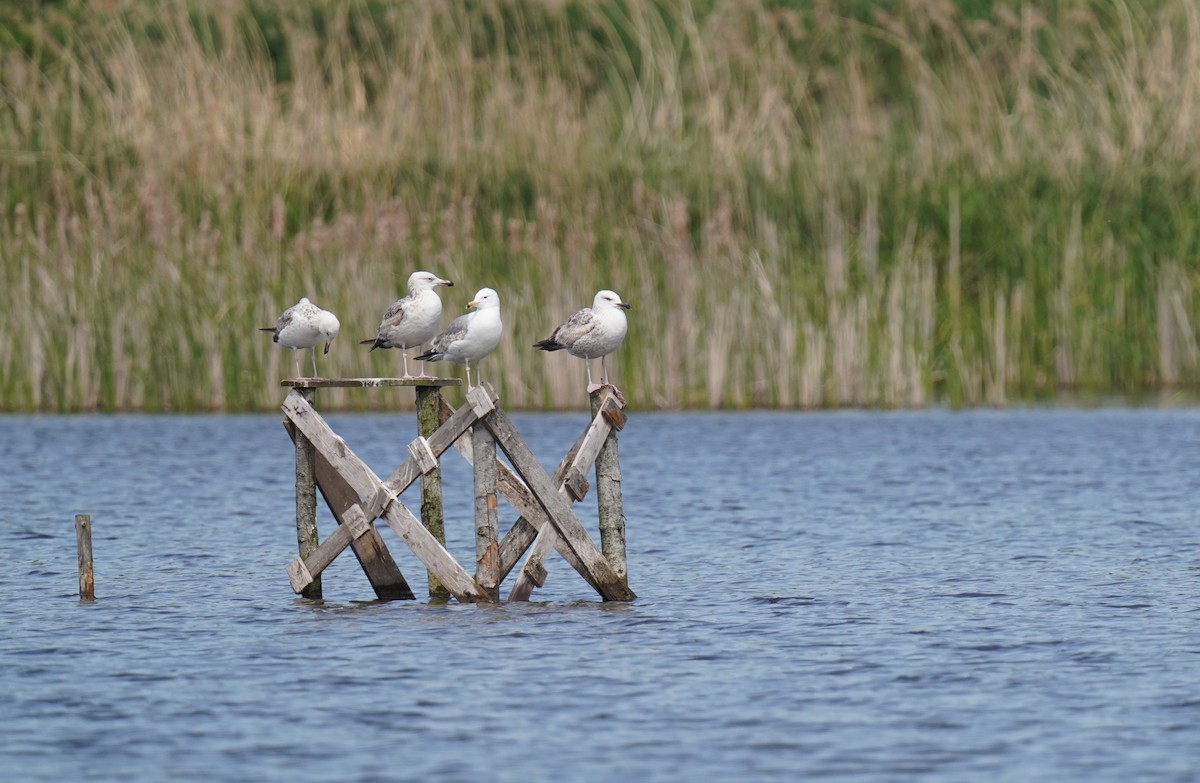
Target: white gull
<point>413,320</point>
<point>469,337</point>
<point>592,333</point>
<point>304,325</point>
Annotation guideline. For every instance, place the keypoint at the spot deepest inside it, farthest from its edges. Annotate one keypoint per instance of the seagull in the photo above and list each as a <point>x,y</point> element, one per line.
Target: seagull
<point>411,321</point>
<point>593,332</point>
<point>304,325</point>
<point>469,337</point>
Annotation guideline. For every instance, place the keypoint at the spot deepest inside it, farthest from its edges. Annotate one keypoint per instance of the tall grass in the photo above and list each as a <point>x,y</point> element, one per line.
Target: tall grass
<point>915,202</point>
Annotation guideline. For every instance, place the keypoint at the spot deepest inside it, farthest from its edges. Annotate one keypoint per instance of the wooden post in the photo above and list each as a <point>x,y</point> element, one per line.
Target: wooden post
<point>306,500</point>
<point>432,517</point>
<point>608,496</point>
<point>83,543</point>
<point>487,550</point>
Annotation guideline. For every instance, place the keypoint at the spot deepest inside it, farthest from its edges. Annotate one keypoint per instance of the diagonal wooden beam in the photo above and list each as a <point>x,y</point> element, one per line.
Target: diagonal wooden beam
<point>525,529</point>
<point>450,431</point>
<point>610,586</point>
<point>364,481</point>
<point>574,465</point>
<point>376,561</point>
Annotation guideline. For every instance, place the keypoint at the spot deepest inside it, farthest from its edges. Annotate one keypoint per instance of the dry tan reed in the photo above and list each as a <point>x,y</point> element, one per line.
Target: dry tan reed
<point>806,208</point>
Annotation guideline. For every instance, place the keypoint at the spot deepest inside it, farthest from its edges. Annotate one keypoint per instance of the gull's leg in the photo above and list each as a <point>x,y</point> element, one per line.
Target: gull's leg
<point>404,353</point>
<point>591,387</point>
<point>468,366</point>
<point>314,361</point>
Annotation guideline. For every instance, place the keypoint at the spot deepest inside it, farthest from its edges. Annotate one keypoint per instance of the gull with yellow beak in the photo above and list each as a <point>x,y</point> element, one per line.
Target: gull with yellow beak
<point>469,337</point>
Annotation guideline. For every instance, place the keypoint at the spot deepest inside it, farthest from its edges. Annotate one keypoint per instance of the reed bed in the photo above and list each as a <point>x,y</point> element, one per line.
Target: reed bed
<point>915,203</point>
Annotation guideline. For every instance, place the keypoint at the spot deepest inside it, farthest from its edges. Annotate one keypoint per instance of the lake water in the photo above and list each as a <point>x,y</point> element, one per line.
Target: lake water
<point>933,596</point>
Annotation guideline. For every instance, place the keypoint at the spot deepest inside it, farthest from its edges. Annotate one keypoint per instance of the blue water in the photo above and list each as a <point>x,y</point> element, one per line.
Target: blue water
<point>933,596</point>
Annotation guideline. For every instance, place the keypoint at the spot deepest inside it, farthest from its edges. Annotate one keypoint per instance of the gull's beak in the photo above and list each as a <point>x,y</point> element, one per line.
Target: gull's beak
<point>327,344</point>
<point>472,304</point>
<point>444,282</point>
<point>624,306</point>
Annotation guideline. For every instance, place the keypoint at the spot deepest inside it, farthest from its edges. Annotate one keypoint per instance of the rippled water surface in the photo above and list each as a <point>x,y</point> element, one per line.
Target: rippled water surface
<point>849,596</point>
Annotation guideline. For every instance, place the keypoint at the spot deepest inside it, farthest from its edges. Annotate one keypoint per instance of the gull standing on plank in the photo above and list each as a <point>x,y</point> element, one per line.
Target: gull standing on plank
<point>593,332</point>
<point>411,321</point>
<point>304,325</point>
<point>469,337</point>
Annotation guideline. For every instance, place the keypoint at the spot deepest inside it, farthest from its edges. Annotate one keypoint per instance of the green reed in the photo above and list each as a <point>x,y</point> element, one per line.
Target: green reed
<point>909,203</point>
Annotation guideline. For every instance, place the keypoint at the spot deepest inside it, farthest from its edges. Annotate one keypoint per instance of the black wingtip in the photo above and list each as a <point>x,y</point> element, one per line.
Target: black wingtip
<point>549,345</point>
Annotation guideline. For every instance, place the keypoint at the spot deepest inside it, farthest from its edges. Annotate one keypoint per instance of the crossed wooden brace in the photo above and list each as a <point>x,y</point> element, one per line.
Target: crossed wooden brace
<point>544,502</point>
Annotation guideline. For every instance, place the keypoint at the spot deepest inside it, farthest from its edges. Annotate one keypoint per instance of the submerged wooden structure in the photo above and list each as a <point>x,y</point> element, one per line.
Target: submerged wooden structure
<point>357,497</point>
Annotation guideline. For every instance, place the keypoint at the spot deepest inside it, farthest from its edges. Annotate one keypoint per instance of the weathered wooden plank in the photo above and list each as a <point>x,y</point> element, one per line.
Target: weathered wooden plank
<point>611,405</point>
<point>328,550</point>
<point>567,479</point>
<point>376,561</point>
<point>433,555</point>
<point>557,508</point>
<point>359,477</point>
<point>368,383</point>
<point>403,477</point>
<point>307,537</point>
<point>611,509</point>
<point>487,556</point>
<point>513,489</point>
<point>513,545</point>
<point>298,575</point>
<point>429,405</point>
<point>400,519</point>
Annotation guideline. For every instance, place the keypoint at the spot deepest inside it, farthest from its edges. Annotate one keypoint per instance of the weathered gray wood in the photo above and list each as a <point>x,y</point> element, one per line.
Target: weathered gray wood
<point>525,529</point>
<point>307,538</point>
<point>514,543</point>
<point>570,471</point>
<point>83,547</point>
<point>557,508</point>
<point>608,492</point>
<point>363,480</point>
<point>325,553</point>
<point>429,403</point>
<point>487,565</point>
<point>358,476</point>
<point>403,477</point>
<point>298,575</point>
<point>434,555</point>
<point>376,561</point>
<point>368,383</point>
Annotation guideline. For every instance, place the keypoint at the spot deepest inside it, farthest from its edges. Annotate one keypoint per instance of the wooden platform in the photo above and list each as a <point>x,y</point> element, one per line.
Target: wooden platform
<point>358,497</point>
<point>366,383</point>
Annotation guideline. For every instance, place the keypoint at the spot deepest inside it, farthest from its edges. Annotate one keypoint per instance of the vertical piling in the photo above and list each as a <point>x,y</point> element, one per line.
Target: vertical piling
<point>83,543</point>
<point>428,419</point>
<point>608,498</point>
<point>487,551</point>
<point>307,539</point>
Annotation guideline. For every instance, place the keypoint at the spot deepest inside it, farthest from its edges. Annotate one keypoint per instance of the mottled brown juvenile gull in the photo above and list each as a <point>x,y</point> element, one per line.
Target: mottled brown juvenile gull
<point>469,337</point>
<point>592,333</point>
<point>413,320</point>
<point>304,325</point>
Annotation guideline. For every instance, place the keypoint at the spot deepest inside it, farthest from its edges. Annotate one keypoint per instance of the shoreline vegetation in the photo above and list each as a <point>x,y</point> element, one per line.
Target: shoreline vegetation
<point>808,204</point>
